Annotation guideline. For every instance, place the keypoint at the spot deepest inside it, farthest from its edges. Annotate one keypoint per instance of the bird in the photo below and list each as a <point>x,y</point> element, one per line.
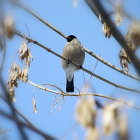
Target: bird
<point>73,51</point>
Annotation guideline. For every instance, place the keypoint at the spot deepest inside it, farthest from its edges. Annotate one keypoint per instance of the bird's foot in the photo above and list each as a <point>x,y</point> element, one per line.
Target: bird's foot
<point>79,66</point>
<point>68,61</point>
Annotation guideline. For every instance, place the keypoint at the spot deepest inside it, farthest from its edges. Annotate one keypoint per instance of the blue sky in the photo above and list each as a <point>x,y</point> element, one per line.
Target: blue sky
<point>46,68</point>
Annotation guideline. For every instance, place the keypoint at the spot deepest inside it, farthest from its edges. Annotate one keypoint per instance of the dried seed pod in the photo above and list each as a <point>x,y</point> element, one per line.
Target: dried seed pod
<point>92,134</point>
<point>25,53</point>
<point>124,60</point>
<point>86,112</point>
<point>13,80</point>
<point>24,75</point>
<point>106,30</point>
<point>16,74</point>
<point>133,35</point>
<point>34,105</point>
<point>130,42</point>
<point>110,114</point>
<point>9,26</point>
<point>118,13</point>
<point>123,127</point>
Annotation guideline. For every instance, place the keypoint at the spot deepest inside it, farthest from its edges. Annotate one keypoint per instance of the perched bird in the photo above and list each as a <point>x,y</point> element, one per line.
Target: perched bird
<point>73,51</point>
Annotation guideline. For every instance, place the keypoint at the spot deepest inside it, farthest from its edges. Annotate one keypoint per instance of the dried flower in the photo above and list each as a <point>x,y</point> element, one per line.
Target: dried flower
<point>124,60</point>
<point>23,75</point>
<point>118,13</point>
<point>106,30</point>
<point>9,26</point>
<point>86,112</point>
<point>13,80</point>
<point>34,105</point>
<point>122,127</point>
<point>25,53</point>
<point>92,134</point>
<point>130,42</point>
<point>16,74</point>
<point>110,114</point>
<point>133,35</point>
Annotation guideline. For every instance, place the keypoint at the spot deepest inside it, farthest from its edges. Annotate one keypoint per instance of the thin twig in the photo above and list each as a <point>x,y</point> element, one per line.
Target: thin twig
<point>84,94</point>
<point>54,87</point>
<point>85,49</point>
<point>93,71</point>
<point>84,69</point>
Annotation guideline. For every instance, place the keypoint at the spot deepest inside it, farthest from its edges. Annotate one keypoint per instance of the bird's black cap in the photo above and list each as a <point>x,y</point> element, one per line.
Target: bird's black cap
<point>70,38</point>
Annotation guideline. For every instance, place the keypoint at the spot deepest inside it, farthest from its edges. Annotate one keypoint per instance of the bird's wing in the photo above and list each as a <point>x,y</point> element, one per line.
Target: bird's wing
<point>74,52</point>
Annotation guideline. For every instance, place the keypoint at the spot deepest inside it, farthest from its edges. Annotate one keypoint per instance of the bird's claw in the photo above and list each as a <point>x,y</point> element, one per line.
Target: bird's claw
<point>79,66</point>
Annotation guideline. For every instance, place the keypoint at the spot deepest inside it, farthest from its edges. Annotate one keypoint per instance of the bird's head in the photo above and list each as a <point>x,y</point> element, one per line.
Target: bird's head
<point>70,38</point>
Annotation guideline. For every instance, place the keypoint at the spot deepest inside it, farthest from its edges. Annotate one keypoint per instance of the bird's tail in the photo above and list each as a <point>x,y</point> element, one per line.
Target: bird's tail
<point>70,85</point>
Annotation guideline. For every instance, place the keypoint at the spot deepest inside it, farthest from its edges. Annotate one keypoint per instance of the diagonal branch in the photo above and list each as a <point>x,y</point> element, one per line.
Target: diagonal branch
<point>84,69</point>
<point>63,35</point>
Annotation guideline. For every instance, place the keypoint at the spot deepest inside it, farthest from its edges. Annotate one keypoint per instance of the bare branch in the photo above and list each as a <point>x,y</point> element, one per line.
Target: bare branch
<point>54,87</point>
<point>115,32</point>
<point>19,113</point>
<point>34,129</point>
<point>85,49</point>
<point>84,69</point>
<point>84,94</point>
<point>29,124</point>
<point>111,65</point>
<point>11,106</point>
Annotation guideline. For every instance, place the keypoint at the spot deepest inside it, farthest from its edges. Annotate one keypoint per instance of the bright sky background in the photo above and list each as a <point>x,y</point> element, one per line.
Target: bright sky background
<point>46,68</point>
